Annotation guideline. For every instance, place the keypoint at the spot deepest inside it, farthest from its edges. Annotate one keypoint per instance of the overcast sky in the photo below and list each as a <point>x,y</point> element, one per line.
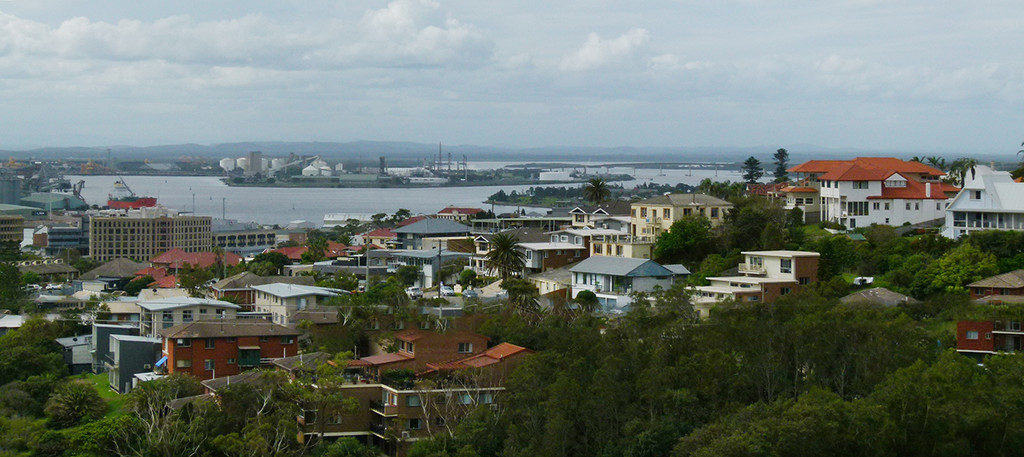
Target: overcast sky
<point>915,75</point>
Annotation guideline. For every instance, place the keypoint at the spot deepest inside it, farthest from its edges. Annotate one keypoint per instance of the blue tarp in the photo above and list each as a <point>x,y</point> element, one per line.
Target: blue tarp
<point>162,361</point>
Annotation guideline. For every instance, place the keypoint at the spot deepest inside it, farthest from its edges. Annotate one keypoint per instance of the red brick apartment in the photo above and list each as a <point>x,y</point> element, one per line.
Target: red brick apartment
<point>418,348</point>
<point>980,338</point>
<point>218,348</point>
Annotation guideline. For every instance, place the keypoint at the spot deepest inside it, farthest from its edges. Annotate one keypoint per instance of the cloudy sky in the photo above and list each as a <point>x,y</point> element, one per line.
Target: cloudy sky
<point>913,75</point>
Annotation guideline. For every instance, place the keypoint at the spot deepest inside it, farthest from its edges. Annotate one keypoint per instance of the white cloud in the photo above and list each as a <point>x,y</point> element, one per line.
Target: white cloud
<point>598,53</point>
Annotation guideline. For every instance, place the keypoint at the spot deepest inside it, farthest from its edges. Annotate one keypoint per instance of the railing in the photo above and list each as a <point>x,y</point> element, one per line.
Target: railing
<point>752,268</point>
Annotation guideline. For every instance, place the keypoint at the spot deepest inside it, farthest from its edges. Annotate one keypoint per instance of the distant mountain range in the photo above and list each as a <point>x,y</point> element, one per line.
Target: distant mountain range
<point>371,150</point>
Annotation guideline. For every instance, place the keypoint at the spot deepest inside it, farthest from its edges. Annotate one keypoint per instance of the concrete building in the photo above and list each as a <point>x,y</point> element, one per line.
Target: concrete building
<point>765,276</point>
<point>242,238</point>
<point>613,279</point>
<point>100,343</point>
<point>170,311</point>
<point>411,236</point>
<point>209,349</point>
<point>990,200</point>
<point>283,302</point>
<point>130,355</point>
<point>144,233</point>
<point>11,228</point>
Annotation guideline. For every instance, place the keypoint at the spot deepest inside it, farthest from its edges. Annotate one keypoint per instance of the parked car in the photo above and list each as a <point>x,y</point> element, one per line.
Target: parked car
<point>467,294</point>
<point>446,291</point>
<point>414,292</point>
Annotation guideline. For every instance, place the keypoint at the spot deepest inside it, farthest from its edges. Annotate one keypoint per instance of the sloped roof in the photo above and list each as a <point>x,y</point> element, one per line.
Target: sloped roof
<point>884,163</point>
<point>878,296</point>
<point>612,208</point>
<point>684,200</point>
<point>216,384</point>
<point>224,328</point>
<point>246,280</point>
<point>621,266</point>
<point>161,304</point>
<point>494,355</point>
<point>117,268</point>
<point>796,190</point>
<point>176,258</point>
<point>384,359</point>
<point>916,190</point>
<point>432,226</point>
<point>1010,280</point>
<point>285,290</point>
<point>310,360</point>
<point>166,282</point>
<point>381,233</point>
<point>410,221</point>
<point>455,209</point>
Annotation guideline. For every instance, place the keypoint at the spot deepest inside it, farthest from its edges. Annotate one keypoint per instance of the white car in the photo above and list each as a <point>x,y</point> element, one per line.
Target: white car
<point>445,291</point>
<point>414,292</point>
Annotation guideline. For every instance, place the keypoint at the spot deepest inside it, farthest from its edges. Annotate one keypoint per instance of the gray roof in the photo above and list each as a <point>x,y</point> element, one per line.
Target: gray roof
<point>245,280</point>
<point>310,360</point>
<point>225,328</point>
<point>1010,280</point>
<point>684,200</point>
<point>75,340</point>
<point>136,338</point>
<point>179,403</point>
<point>612,208</point>
<point>117,268</point>
<point>162,304</point>
<point>216,384</point>
<point>878,296</point>
<point>621,266</point>
<point>297,290</point>
<point>434,226</point>
<point>561,275</point>
<point>677,269</point>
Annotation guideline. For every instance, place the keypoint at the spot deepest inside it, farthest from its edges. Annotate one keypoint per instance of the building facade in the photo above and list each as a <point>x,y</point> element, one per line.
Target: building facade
<point>210,349</point>
<point>764,277</point>
<point>167,312</point>
<point>144,233</point>
<point>990,200</point>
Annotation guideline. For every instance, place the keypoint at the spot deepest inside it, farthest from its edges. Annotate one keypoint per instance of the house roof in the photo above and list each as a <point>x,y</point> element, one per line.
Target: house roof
<point>410,221</point>
<point>878,296</point>
<point>384,359</point>
<point>381,233</point>
<point>455,209</point>
<point>782,253</point>
<point>167,303</point>
<point>434,226</point>
<point>765,188</point>
<point>621,266</point>
<point>684,200</point>
<point>117,268</point>
<point>797,190</point>
<point>176,258</point>
<point>246,280</point>
<point>165,282</point>
<point>611,208</point>
<point>310,360</point>
<point>285,290</point>
<point>216,384</point>
<point>916,190</point>
<point>494,355</point>
<point>560,275</point>
<point>1010,280</point>
<point>224,328</point>
<point>890,164</point>
<point>415,334</point>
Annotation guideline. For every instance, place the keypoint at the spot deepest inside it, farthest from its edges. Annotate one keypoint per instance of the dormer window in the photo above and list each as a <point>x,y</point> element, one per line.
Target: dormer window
<point>975,195</point>
<point>896,183</point>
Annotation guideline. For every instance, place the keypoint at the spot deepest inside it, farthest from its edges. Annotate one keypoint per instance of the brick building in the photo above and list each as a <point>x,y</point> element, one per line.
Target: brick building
<point>766,276</point>
<point>208,349</point>
<point>1011,283</point>
<point>418,348</point>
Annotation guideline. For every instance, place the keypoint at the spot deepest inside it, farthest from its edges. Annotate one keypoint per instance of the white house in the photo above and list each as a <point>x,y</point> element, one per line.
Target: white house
<point>167,312</point>
<point>612,279</point>
<point>989,200</point>
<point>283,301</point>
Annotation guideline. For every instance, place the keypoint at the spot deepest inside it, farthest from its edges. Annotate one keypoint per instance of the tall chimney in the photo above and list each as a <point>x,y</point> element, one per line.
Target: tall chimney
<point>928,190</point>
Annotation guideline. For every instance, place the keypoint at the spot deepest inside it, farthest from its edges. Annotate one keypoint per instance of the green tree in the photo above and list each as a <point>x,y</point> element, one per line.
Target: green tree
<point>467,278</point>
<point>277,259</point>
<point>136,285</point>
<point>12,294</point>
<point>959,267</point>
<point>587,301</point>
<point>781,163</point>
<point>316,250</point>
<point>597,191</point>
<point>505,256</point>
<point>407,275</point>
<point>522,296</point>
<point>31,277</point>
<point>688,240</point>
<point>752,170</point>
<point>74,402</point>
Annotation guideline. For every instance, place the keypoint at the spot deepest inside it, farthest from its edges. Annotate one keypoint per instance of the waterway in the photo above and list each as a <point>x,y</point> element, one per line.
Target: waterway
<point>208,196</point>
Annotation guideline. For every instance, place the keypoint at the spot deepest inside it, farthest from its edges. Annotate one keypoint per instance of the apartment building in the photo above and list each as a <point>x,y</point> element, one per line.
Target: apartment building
<point>11,228</point>
<point>283,302</point>
<point>143,233</point>
<point>164,313</point>
<point>990,200</point>
<point>417,348</point>
<point>869,190</point>
<point>764,277</point>
<point>244,238</point>
<point>209,349</point>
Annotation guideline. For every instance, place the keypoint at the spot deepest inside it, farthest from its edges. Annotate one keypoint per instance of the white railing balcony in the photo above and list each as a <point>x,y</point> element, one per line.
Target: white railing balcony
<point>752,268</point>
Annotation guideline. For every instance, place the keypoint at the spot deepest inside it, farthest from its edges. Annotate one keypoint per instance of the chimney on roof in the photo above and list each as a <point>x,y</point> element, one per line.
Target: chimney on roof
<point>928,190</point>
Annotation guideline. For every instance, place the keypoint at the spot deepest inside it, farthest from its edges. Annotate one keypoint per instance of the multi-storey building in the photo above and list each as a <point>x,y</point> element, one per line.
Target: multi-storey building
<point>869,190</point>
<point>11,228</point>
<point>208,349</point>
<point>765,276</point>
<point>980,338</point>
<point>990,200</point>
<point>416,348</point>
<point>242,238</point>
<point>130,355</point>
<point>143,233</point>
<point>283,301</point>
<point>167,312</point>
<point>650,218</point>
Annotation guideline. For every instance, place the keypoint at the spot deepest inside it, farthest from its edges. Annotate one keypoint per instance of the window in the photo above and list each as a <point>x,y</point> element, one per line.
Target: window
<point>412,400</point>
<point>309,416</point>
<point>210,343</point>
<point>264,339</point>
<point>896,183</point>
<point>976,195</point>
<point>554,238</point>
<point>857,208</point>
<point>714,212</point>
<point>804,280</point>
<point>409,348</point>
<point>667,213</point>
<point>785,291</point>
<point>860,184</point>
<point>183,364</point>
<point>618,250</point>
<point>486,398</point>
<point>887,206</point>
<point>231,361</point>
<point>917,206</point>
<point>875,206</point>
<point>971,335</point>
<point>414,424</point>
<point>786,265</point>
<point>988,335</point>
<point>208,365</point>
<point>465,348</point>
<point>335,419</point>
<point>908,206</point>
<point>465,398</point>
<point>565,238</point>
<point>287,339</point>
<point>643,212</point>
<point>752,298</point>
<point>578,241</point>
<point>184,343</point>
<point>186,315</point>
<point>576,254</point>
<point>687,211</point>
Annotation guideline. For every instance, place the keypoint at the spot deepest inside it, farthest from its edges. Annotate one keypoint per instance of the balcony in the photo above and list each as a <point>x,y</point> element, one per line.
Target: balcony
<point>752,268</point>
<point>383,409</point>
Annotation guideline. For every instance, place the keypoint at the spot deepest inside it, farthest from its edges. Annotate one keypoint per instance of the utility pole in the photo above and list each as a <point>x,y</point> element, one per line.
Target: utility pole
<point>223,208</point>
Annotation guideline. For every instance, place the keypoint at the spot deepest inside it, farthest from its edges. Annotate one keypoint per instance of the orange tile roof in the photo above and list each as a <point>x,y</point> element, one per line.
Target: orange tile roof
<point>489,357</point>
<point>798,189</point>
<point>381,233</point>
<point>915,191</point>
<point>453,209</point>
<point>166,282</point>
<point>176,258</point>
<point>890,164</point>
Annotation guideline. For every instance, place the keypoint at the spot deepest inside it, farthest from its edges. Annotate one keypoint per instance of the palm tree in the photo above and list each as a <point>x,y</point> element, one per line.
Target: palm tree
<point>505,256</point>
<point>597,190</point>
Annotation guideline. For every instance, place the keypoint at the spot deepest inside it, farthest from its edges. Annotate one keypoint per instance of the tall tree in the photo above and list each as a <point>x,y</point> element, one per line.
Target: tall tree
<point>752,170</point>
<point>597,190</point>
<point>781,162</point>
<point>688,240</point>
<point>505,256</point>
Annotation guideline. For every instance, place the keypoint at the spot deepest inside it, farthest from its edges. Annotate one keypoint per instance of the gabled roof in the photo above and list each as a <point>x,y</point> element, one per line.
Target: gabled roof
<point>494,355</point>
<point>310,360</point>
<point>245,280</point>
<point>162,304</point>
<point>611,208</point>
<point>227,328</point>
<point>684,200</point>
<point>1010,280</point>
<point>864,165</point>
<point>176,258</point>
<point>621,266</point>
<point>117,268</point>
<point>381,233</point>
<point>433,226</point>
<point>916,190</point>
<point>284,290</point>
<point>454,209</point>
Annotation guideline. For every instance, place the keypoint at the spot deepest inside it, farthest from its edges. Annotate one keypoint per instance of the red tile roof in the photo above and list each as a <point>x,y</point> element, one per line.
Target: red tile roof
<point>864,166</point>
<point>166,282</point>
<point>799,190</point>
<point>381,233</point>
<point>333,251</point>
<point>411,220</point>
<point>155,272</point>
<point>915,191</point>
<point>176,258</point>
<point>454,209</point>
<point>489,357</point>
<point>765,188</point>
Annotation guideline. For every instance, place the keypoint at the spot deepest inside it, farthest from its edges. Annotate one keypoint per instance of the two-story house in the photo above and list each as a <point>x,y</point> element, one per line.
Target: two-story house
<point>613,215</point>
<point>765,276</point>
<point>613,279</point>
<point>650,218</point>
<point>283,301</point>
<point>167,312</point>
<point>209,349</point>
<point>990,200</point>
<point>457,214</point>
<point>239,287</point>
<point>411,236</point>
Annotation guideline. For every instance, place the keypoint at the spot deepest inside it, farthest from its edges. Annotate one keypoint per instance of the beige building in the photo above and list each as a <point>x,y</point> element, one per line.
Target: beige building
<point>284,302</point>
<point>10,228</point>
<point>654,216</point>
<point>142,234</point>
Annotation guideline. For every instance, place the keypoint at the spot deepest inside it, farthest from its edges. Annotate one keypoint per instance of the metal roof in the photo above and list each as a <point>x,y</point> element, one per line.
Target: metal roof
<point>297,290</point>
<point>621,266</point>
<point>162,304</point>
<point>431,226</point>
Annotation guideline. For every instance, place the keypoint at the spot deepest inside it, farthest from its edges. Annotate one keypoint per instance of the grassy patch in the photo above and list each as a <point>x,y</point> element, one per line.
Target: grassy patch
<point>115,401</point>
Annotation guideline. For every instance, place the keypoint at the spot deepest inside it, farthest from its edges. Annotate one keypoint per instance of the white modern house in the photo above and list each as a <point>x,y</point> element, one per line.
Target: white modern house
<point>283,301</point>
<point>612,279</point>
<point>763,277</point>
<point>170,311</point>
<point>990,200</point>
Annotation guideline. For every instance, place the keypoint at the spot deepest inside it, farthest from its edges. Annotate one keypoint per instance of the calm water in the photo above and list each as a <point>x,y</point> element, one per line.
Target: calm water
<point>277,205</point>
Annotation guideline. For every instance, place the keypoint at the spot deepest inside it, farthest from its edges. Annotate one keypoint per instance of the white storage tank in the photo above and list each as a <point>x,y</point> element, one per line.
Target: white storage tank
<point>554,176</point>
<point>340,167</point>
<point>227,164</point>
<point>277,163</point>
<point>242,163</point>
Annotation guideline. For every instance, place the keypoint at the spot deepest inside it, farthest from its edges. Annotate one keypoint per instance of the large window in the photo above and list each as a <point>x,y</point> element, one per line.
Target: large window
<point>465,348</point>
<point>412,400</point>
<point>786,265</point>
<point>860,184</point>
<point>857,208</point>
<point>971,335</point>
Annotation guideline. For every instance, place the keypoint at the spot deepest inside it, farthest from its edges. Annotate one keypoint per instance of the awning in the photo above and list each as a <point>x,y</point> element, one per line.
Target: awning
<point>249,347</point>
<point>162,361</point>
